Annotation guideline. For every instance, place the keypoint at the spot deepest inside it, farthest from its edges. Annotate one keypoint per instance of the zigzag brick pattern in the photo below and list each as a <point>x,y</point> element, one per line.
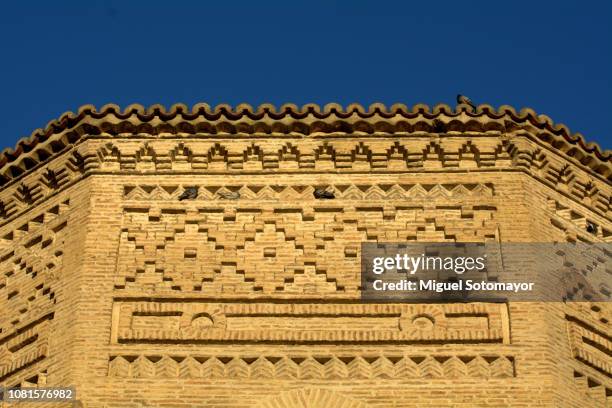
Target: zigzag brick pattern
<point>248,293</point>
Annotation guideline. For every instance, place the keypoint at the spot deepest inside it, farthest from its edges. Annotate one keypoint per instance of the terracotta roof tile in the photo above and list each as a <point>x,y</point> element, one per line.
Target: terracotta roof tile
<point>306,119</point>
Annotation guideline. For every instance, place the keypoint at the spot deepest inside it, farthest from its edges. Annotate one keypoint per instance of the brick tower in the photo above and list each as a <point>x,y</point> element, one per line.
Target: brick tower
<point>247,293</point>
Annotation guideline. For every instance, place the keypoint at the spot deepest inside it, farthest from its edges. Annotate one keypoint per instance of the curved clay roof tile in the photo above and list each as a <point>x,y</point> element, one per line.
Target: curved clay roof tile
<point>112,115</point>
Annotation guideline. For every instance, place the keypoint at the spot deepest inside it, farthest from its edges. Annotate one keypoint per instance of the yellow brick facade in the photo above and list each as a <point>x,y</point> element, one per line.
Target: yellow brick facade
<point>109,283</point>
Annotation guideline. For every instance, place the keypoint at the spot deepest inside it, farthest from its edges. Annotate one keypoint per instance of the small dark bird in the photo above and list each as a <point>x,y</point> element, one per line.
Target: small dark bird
<point>231,195</point>
<point>462,99</point>
<point>591,228</point>
<point>189,194</point>
<point>323,194</point>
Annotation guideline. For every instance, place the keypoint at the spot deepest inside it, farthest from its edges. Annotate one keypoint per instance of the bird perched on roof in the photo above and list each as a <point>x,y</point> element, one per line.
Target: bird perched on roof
<point>323,194</point>
<point>462,99</point>
<point>189,194</point>
<point>231,195</point>
<point>591,228</point>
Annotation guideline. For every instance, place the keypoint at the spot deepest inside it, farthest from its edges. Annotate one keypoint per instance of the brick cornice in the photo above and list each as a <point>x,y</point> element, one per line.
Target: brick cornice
<point>472,153</point>
<point>308,120</point>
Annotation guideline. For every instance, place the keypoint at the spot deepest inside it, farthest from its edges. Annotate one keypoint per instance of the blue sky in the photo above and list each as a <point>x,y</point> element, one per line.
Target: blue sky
<point>555,57</point>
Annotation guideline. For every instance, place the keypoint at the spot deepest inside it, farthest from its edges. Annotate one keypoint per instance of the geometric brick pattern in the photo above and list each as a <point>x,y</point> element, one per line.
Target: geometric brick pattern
<point>266,248</point>
<point>308,367</point>
<point>109,283</point>
<point>30,267</point>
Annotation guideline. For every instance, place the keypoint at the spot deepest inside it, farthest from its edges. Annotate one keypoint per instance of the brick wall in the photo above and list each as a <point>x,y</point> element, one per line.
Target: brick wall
<point>108,282</point>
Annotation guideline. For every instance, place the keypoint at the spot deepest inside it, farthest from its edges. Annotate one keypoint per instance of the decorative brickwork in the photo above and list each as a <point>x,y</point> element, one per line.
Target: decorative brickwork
<point>247,295</point>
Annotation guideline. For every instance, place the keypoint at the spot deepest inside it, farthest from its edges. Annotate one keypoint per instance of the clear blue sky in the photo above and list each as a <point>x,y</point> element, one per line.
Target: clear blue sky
<point>552,56</point>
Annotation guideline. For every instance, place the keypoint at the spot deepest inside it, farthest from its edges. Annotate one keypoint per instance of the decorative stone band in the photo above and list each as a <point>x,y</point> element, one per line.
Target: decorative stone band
<point>305,367</point>
<point>138,322</point>
<point>461,153</point>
